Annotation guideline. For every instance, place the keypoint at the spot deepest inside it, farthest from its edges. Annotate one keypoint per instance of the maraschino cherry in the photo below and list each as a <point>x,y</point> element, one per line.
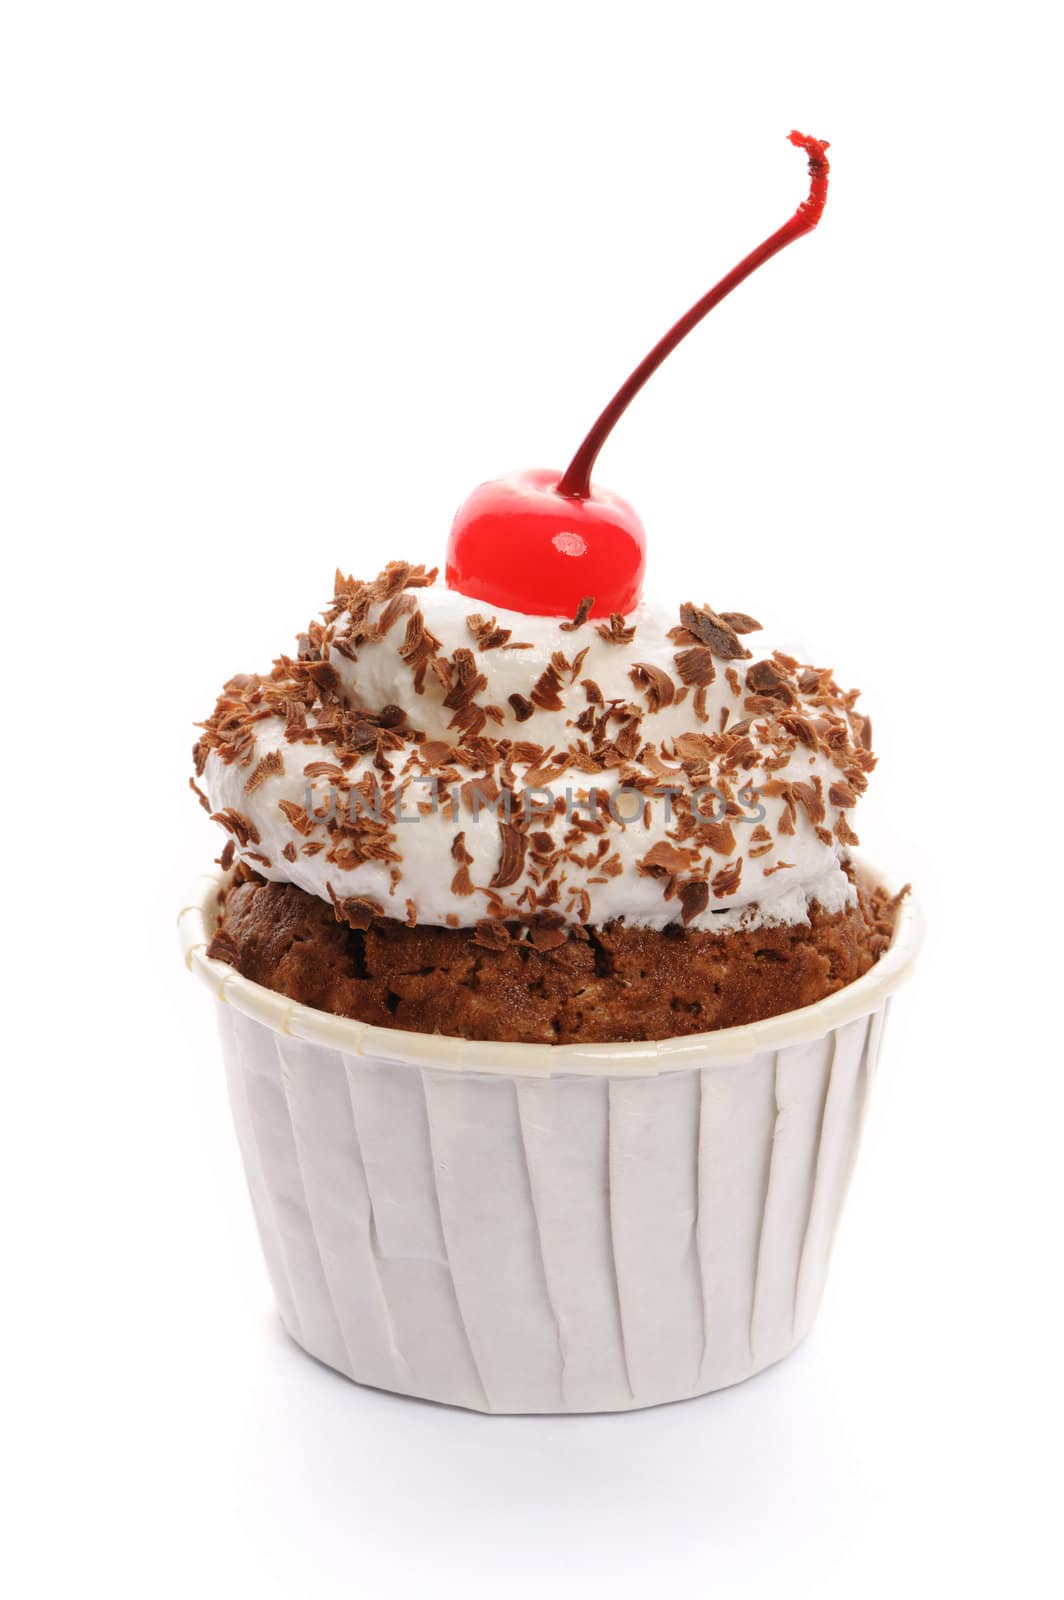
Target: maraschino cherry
<point>541,541</point>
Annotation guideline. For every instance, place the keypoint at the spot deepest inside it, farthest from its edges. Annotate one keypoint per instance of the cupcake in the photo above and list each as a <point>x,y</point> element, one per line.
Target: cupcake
<point>551,981</point>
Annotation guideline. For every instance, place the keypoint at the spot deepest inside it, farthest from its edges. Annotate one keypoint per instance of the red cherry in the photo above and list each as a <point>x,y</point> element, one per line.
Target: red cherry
<point>518,544</point>
<point>540,542</point>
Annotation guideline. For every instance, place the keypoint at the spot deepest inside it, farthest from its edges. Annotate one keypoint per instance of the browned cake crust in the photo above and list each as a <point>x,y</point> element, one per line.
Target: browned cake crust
<point>586,985</point>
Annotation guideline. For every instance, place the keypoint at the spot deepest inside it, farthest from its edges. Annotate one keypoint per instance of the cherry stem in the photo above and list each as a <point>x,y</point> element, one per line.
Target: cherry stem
<point>575,482</point>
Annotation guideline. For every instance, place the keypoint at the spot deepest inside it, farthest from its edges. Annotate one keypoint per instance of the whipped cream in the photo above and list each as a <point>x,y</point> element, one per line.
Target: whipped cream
<point>441,770</point>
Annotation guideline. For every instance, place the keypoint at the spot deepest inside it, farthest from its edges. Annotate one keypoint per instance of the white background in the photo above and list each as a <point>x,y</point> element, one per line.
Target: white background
<point>280,284</point>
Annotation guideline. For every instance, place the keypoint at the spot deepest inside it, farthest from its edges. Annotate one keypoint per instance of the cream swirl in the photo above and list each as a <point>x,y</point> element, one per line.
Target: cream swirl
<point>422,761</point>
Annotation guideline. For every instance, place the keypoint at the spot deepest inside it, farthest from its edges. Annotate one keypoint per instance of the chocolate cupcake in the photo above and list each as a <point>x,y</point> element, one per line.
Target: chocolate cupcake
<point>550,980</point>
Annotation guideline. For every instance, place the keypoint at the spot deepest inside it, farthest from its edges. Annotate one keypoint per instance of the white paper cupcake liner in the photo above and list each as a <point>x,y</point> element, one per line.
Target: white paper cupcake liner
<point>536,1228</point>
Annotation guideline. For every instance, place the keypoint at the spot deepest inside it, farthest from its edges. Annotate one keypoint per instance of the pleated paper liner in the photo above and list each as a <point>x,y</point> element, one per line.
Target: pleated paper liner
<point>537,1228</point>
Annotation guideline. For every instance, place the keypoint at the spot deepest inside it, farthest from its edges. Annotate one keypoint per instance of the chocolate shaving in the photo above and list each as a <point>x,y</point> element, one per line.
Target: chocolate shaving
<point>655,683</point>
<point>418,649</point>
<point>740,752</point>
<point>713,631</point>
<point>664,860</point>
<point>727,880</point>
<point>297,816</point>
<point>512,861</point>
<point>357,911</point>
<point>295,727</point>
<point>577,663</point>
<point>694,898</point>
<point>695,665</point>
<point>272,762</point>
<point>487,635</point>
<point>461,883</point>
<point>461,678</point>
<point>766,681</point>
<point>243,829</point>
<point>401,605</point>
<point>491,935</point>
<point>693,746</point>
<point>717,836</point>
<point>581,905</point>
<point>583,611</point>
<point>399,575</point>
<point>545,693</point>
<point>616,631</point>
<point>809,797</point>
<point>843,832</point>
<point>794,723</point>
<point>740,622</point>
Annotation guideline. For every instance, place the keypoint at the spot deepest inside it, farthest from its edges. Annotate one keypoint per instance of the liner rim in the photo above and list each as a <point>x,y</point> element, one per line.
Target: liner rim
<point>724,1046</point>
